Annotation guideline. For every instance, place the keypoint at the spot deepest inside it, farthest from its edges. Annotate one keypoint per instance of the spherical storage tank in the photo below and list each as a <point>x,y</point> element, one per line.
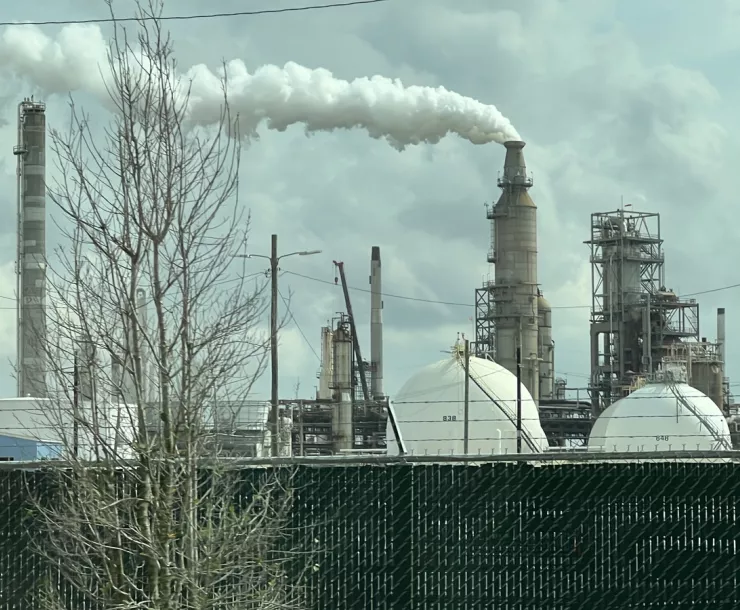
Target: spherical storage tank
<point>661,417</point>
<point>430,410</point>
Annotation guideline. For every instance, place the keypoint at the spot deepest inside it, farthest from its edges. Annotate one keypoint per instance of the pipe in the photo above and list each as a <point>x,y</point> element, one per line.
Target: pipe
<point>376,326</point>
<point>721,336</point>
<point>518,399</point>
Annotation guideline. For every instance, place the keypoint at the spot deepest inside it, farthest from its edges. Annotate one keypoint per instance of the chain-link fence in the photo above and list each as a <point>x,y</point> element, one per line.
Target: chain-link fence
<point>555,533</point>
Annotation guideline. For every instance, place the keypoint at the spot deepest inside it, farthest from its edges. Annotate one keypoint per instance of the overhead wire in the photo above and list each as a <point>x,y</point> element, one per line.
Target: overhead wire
<point>298,326</point>
<point>469,305</point>
<point>199,16</point>
<point>385,294</point>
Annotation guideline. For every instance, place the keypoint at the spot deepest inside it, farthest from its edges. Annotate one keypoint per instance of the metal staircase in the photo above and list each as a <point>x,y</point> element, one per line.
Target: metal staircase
<point>721,443</point>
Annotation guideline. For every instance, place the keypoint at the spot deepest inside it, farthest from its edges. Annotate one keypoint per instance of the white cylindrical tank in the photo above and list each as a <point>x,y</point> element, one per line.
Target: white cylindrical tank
<point>342,426</point>
<point>326,374</point>
<point>430,411</point>
<point>546,347</point>
<point>285,441</point>
<point>661,417</point>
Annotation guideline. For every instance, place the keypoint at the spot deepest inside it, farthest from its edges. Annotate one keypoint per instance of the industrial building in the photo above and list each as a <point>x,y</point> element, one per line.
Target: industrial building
<point>636,321</point>
<point>350,411</point>
<point>638,325</point>
<point>33,426</point>
<point>643,336</point>
<point>506,386</point>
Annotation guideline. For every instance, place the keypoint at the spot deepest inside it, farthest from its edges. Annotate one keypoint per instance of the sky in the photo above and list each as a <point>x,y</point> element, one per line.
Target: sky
<point>618,100</point>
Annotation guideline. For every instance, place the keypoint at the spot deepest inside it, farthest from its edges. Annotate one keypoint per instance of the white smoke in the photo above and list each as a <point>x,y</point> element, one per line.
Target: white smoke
<point>276,97</point>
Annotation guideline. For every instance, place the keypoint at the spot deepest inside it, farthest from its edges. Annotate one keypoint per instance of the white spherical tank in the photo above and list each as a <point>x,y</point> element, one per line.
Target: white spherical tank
<point>430,410</point>
<point>661,417</point>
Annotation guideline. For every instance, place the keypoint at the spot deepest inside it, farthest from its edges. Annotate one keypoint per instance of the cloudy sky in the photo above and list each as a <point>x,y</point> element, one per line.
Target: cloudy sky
<point>616,99</point>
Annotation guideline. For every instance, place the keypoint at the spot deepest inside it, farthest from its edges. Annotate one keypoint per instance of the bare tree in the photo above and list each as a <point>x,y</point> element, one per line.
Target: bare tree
<point>152,349</point>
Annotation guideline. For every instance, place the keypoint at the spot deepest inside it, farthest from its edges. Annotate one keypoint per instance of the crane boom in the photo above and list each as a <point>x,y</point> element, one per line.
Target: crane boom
<point>355,338</point>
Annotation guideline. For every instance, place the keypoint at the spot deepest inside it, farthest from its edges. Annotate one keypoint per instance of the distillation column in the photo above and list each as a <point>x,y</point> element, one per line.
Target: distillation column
<point>31,252</point>
<point>326,372</point>
<point>514,253</point>
<point>546,348</point>
<point>342,426</point>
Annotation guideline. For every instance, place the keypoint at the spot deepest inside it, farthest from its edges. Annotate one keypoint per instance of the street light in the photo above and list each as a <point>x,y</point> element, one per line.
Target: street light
<point>274,399</point>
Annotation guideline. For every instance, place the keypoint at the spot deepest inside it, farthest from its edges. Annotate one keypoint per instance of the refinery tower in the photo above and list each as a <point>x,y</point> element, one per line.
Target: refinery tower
<point>31,249</point>
<point>638,323</point>
<point>508,316</point>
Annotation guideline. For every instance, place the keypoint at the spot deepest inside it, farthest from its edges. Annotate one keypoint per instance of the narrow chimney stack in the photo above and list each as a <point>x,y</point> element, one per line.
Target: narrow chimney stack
<point>376,326</point>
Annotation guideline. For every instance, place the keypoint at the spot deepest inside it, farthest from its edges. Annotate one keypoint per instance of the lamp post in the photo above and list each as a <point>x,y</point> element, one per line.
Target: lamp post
<point>274,398</point>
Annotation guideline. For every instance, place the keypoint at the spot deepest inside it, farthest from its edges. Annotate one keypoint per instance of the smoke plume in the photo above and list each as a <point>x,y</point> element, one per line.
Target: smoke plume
<point>274,96</point>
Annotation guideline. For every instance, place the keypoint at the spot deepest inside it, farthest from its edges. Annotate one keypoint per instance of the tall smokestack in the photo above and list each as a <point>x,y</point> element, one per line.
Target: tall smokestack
<point>376,326</point>
<point>31,250</point>
<point>721,335</point>
<point>514,252</point>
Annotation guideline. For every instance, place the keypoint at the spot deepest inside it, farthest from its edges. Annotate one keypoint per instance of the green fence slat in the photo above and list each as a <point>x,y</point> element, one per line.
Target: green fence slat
<point>503,535</point>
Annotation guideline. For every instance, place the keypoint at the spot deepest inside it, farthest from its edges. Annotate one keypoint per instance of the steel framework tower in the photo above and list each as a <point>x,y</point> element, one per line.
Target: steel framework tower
<point>484,345</point>
<point>31,250</point>
<point>635,319</point>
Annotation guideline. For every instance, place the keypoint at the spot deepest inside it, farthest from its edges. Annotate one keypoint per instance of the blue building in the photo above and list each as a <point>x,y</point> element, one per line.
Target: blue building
<point>18,449</point>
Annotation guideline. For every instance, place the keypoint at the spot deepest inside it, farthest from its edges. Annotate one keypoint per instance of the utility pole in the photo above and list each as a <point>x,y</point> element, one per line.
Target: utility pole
<point>518,399</point>
<point>274,419</point>
<point>466,411</point>
<point>274,397</point>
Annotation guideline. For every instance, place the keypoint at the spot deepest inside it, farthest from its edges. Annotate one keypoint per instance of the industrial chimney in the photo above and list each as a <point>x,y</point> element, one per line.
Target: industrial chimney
<point>376,326</point>
<point>31,249</point>
<point>721,336</point>
<point>514,252</point>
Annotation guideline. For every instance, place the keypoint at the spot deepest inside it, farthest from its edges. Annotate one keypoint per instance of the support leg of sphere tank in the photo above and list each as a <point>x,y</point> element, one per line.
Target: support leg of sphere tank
<point>466,408</point>
<point>518,399</point>
<point>396,429</point>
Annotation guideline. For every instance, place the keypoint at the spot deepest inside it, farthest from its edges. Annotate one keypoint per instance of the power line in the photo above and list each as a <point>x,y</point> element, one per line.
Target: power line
<point>693,294</point>
<point>267,11</point>
<point>385,294</point>
<point>436,301</point>
<point>300,330</point>
<point>457,304</point>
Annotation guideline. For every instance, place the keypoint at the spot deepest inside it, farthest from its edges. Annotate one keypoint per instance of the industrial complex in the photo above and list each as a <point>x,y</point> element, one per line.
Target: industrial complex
<point>655,383</point>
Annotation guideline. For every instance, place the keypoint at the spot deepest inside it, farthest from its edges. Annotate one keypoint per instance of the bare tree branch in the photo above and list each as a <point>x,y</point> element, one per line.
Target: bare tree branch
<point>152,338</point>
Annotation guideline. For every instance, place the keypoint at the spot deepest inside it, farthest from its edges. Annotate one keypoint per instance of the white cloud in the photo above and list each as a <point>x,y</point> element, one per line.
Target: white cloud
<point>609,110</point>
